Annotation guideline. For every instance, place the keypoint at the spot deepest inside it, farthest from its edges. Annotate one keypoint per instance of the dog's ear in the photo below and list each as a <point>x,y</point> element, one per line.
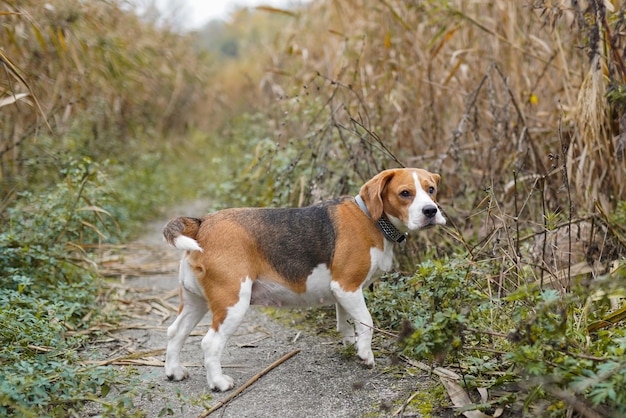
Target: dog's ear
<point>372,193</point>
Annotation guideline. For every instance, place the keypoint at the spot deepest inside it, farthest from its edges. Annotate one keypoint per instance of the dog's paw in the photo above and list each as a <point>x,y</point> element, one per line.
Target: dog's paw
<point>221,383</point>
<point>367,357</point>
<point>349,340</point>
<point>347,332</point>
<point>176,374</point>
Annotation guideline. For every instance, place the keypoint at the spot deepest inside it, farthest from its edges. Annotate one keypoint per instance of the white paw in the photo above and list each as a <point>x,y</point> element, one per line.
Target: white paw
<point>221,383</point>
<point>367,356</point>
<point>176,373</point>
<point>349,339</point>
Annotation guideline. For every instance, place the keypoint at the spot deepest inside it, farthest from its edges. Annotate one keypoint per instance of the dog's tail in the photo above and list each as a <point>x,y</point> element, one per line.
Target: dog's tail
<point>181,233</point>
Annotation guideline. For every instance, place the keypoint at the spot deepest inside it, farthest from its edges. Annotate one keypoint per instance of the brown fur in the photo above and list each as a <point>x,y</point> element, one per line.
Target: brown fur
<point>354,223</point>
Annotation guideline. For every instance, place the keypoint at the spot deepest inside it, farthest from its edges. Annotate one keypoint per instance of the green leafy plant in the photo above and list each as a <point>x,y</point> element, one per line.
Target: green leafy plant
<point>48,299</point>
<point>431,307</point>
<point>530,346</point>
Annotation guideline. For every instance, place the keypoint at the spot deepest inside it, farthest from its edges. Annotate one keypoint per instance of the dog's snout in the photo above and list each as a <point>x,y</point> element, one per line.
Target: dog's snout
<point>429,211</point>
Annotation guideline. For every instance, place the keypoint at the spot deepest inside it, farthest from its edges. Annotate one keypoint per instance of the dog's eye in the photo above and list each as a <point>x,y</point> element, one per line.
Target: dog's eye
<point>405,193</point>
<point>431,190</point>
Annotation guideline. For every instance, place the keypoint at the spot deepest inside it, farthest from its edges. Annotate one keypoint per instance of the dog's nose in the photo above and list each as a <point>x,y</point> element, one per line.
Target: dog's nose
<point>429,211</point>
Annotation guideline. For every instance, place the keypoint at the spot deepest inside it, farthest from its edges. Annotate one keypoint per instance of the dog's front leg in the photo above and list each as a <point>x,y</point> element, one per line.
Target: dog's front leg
<point>354,304</point>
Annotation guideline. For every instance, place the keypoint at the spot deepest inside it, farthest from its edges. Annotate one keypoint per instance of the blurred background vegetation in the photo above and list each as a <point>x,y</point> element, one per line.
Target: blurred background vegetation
<point>108,119</point>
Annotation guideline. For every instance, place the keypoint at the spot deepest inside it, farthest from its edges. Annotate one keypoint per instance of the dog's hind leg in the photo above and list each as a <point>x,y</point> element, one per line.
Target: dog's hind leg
<point>345,328</point>
<point>194,307</point>
<point>226,320</point>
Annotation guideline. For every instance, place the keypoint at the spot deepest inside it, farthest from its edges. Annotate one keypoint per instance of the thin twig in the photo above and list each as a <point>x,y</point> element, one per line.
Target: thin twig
<point>253,343</point>
<point>516,220</point>
<point>439,371</point>
<point>544,231</point>
<point>570,208</point>
<point>382,331</point>
<point>493,333</point>
<point>249,383</point>
<point>400,410</point>
<point>485,349</point>
<point>132,356</point>
<point>570,399</point>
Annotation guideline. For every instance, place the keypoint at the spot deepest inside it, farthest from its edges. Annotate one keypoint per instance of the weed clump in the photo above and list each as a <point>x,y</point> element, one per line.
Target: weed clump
<point>49,299</point>
<point>537,349</point>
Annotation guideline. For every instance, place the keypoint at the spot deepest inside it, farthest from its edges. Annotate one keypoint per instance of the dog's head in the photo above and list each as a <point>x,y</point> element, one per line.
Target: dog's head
<point>406,196</point>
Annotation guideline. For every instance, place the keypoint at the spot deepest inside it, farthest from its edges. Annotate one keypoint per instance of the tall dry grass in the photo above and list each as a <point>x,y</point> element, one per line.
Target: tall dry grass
<point>89,79</point>
<point>516,104</point>
<point>476,90</point>
<point>519,106</point>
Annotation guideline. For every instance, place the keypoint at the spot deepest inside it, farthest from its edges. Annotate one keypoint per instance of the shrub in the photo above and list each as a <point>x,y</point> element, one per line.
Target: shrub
<point>531,346</point>
<point>48,298</point>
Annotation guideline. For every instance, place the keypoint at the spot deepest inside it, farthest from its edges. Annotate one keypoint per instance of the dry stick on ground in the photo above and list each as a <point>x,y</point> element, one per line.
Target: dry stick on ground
<point>400,410</point>
<point>132,356</point>
<point>249,383</point>
<point>449,380</point>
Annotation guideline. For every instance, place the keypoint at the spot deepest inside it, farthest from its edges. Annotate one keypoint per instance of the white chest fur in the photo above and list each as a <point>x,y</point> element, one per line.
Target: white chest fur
<point>382,259</point>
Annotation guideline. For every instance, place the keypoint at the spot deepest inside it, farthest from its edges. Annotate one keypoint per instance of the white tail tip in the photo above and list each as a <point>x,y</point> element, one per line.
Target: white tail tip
<point>183,242</point>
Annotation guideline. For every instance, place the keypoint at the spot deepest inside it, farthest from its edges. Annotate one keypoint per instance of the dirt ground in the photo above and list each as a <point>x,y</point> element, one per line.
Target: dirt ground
<point>321,380</point>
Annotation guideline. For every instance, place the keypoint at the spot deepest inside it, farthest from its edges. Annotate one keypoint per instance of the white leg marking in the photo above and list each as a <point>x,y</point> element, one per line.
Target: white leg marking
<point>214,342</point>
<point>354,305</point>
<point>344,327</point>
<point>194,308</point>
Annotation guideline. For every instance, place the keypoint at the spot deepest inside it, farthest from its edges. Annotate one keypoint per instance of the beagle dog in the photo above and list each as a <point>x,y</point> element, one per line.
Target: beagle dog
<point>322,254</point>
